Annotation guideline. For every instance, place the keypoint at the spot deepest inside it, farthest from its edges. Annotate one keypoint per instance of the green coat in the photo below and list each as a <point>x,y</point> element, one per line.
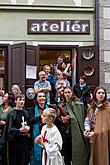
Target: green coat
<point>3,145</point>
<point>3,115</point>
<point>80,145</point>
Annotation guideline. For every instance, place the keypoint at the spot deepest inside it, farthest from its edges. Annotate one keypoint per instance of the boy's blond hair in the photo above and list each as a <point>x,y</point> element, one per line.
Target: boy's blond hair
<point>50,112</point>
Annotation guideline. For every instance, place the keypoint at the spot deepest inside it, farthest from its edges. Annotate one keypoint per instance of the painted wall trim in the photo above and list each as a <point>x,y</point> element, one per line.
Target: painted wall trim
<point>57,43</point>
<point>39,7</point>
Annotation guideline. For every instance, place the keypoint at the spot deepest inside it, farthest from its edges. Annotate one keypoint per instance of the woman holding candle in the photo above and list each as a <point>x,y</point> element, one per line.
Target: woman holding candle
<point>17,133</point>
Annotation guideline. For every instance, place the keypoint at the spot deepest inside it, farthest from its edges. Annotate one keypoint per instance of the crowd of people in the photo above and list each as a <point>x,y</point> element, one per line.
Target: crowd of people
<point>65,126</point>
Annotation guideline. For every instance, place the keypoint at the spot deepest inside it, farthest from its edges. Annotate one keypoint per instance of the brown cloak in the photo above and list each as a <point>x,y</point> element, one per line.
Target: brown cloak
<point>100,142</point>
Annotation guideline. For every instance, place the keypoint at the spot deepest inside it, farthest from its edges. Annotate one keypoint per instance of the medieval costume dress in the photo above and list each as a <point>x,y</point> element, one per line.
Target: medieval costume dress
<point>3,145</point>
<point>100,142</point>
<point>75,146</point>
<point>53,144</point>
<point>19,142</point>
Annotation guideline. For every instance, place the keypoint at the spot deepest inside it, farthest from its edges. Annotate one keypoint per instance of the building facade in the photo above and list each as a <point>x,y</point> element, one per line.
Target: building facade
<point>105,44</point>
<point>35,32</point>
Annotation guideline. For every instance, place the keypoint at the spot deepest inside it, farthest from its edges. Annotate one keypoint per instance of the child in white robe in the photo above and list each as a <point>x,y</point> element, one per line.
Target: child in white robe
<point>50,139</point>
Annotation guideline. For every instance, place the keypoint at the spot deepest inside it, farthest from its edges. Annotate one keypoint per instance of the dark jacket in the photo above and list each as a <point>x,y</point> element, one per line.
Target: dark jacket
<point>82,93</point>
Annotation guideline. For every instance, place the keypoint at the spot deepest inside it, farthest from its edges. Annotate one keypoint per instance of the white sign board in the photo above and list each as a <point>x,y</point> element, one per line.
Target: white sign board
<point>31,72</point>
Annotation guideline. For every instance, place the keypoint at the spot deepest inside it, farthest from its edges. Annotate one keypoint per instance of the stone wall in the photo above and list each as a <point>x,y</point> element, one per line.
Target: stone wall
<point>104,44</point>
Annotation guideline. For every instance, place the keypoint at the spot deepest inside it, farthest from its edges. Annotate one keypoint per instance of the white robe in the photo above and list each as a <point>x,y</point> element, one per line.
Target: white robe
<point>52,147</point>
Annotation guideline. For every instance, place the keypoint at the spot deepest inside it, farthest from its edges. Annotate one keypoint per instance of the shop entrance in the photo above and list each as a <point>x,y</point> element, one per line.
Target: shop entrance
<point>50,57</point>
<point>18,59</point>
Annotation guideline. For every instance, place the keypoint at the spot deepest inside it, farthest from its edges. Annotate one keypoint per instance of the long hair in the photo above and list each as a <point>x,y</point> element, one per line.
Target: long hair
<point>94,99</point>
<point>11,99</point>
<point>37,96</point>
<point>73,96</point>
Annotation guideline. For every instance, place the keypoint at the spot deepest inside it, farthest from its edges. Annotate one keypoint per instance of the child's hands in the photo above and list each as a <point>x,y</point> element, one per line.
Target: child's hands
<point>38,140</point>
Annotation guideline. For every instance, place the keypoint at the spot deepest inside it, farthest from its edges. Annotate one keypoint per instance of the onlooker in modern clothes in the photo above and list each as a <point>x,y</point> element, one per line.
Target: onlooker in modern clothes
<point>57,66</point>
<point>66,69</point>
<point>42,85</point>
<point>82,91</point>
<point>61,82</point>
<point>50,78</point>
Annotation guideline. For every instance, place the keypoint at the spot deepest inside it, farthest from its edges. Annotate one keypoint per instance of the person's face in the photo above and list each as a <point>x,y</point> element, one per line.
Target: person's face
<point>60,76</point>
<point>5,98</point>
<point>58,73</point>
<point>64,76</point>
<point>100,95</point>
<point>41,98</point>
<point>81,81</point>
<point>63,65</point>
<point>20,102</point>
<point>45,118</point>
<point>43,76</point>
<point>47,69</point>
<point>68,94</point>
<point>60,61</point>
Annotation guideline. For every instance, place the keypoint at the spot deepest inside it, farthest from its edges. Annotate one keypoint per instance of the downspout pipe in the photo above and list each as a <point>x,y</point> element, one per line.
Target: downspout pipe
<point>97,37</point>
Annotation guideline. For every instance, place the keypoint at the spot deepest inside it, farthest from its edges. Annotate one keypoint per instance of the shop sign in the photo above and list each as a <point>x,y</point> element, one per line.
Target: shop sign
<point>58,26</point>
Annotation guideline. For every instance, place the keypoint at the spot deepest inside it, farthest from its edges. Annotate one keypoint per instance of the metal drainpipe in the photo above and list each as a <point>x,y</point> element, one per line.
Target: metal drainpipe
<point>97,23</point>
<point>97,34</point>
